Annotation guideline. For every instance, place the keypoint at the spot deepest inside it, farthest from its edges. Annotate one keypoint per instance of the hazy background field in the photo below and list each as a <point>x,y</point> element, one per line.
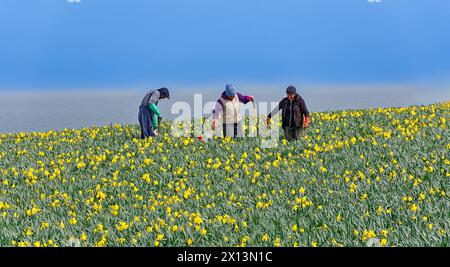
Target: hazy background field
<point>56,110</point>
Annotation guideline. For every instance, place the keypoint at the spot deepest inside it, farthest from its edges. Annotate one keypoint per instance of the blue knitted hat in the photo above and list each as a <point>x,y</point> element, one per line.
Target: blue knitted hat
<point>230,91</point>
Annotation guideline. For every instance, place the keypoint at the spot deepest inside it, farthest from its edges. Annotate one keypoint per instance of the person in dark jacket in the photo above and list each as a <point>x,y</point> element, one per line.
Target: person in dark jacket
<point>149,112</point>
<point>295,114</point>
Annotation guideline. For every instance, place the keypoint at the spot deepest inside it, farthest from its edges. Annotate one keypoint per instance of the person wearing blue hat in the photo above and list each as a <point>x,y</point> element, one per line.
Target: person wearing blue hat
<point>149,113</point>
<point>229,105</point>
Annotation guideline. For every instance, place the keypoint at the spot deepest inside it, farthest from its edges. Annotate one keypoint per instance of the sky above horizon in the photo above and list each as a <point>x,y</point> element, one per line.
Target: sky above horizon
<point>102,43</point>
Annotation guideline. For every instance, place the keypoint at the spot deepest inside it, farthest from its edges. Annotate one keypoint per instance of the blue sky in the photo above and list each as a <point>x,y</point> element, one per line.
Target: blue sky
<point>124,43</point>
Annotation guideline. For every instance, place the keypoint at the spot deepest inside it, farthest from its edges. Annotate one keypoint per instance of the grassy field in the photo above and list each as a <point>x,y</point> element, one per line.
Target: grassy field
<point>378,176</point>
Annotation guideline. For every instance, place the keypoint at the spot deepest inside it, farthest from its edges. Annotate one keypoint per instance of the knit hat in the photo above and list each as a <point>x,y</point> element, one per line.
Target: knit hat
<point>164,93</point>
<point>230,91</point>
<point>291,90</point>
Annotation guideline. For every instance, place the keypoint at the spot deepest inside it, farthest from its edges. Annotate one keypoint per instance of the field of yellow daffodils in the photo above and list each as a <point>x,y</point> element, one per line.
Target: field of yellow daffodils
<point>357,178</point>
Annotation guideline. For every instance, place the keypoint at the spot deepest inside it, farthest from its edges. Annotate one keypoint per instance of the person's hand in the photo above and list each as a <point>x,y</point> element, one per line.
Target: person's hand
<point>306,123</point>
<point>214,125</point>
<point>251,98</point>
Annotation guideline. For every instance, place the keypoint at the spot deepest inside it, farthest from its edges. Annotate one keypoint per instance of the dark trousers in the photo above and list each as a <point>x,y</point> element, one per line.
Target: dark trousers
<point>145,121</point>
<point>293,133</point>
<point>227,133</point>
<point>233,130</point>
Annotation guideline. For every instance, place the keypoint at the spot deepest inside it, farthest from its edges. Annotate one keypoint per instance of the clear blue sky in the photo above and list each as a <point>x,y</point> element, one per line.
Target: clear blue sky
<point>119,43</point>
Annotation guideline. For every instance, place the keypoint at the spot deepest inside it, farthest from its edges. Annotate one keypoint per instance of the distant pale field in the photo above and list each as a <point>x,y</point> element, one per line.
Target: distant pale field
<point>44,111</point>
<point>357,178</point>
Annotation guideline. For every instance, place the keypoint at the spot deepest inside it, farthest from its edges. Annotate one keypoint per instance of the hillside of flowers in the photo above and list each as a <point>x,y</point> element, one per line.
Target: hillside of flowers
<point>379,175</point>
